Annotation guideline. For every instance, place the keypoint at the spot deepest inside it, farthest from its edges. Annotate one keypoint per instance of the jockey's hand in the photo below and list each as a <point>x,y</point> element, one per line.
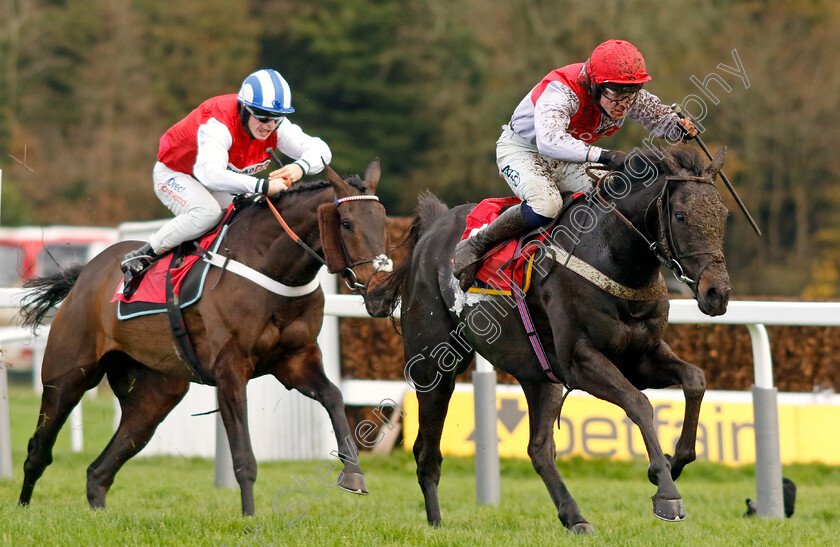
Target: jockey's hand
<point>613,159</point>
<point>689,131</point>
<point>283,178</point>
<point>277,185</point>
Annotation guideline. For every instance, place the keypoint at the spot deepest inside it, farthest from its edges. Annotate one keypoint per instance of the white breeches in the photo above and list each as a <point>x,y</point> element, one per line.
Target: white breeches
<point>196,208</point>
<point>535,178</point>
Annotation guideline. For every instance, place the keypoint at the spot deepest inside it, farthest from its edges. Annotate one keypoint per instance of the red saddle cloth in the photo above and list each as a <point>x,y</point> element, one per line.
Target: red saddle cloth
<point>153,284</point>
<point>500,268</point>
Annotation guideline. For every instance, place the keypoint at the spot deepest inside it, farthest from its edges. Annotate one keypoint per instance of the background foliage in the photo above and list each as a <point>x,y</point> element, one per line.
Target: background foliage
<point>87,88</point>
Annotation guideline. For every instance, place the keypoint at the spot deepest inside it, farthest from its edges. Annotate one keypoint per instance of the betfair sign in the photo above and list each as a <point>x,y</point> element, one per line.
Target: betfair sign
<point>590,427</point>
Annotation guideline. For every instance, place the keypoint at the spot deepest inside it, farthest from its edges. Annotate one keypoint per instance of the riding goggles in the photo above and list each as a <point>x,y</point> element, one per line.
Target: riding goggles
<point>617,98</point>
<point>263,116</point>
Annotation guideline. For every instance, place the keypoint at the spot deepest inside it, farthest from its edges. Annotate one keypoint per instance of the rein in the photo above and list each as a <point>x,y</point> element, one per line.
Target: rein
<point>381,262</point>
<point>660,247</point>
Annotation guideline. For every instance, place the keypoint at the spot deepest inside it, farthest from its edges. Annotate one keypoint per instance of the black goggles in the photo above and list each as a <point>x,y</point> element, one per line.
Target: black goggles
<point>264,117</point>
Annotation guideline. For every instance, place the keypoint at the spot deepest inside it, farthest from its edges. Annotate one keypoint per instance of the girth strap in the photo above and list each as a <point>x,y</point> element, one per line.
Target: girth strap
<point>605,283</point>
<point>522,306</point>
<point>179,328</point>
<point>256,277</point>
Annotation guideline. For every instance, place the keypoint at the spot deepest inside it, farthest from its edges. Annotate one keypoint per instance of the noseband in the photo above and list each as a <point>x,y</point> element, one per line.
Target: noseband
<point>665,241</point>
<point>381,262</point>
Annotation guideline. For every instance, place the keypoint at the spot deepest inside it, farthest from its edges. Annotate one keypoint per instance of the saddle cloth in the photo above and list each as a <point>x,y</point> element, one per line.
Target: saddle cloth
<point>502,268</point>
<point>187,281</point>
<point>506,266</point>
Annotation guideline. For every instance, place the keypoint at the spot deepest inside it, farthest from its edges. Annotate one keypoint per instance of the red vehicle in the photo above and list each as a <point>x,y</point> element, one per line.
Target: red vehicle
<point>32,251</point>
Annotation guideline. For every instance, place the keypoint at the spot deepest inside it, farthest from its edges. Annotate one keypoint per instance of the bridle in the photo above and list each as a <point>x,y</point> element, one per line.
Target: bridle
<point>664,247</point>
<point>381,262</point>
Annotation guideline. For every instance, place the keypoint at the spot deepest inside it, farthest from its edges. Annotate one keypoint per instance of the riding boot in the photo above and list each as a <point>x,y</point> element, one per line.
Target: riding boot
<point>469,254</point>
<point>134,265</point>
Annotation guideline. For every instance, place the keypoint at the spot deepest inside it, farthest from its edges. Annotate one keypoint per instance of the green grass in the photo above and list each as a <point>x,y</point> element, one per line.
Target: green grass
<point>172,501</point>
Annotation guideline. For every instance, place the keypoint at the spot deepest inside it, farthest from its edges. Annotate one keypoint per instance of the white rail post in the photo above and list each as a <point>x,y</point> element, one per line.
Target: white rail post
<point>328,341</point>
<point>77,443</point>
<point>5,426</point>
<point>487,480</point>
<point>5,419</point>
<point>768,456</point>
<point>225,478</point>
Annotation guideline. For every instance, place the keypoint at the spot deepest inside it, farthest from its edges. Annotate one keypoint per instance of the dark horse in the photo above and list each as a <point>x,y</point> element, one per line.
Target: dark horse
<point>601,329</point>
<point>240,331</point>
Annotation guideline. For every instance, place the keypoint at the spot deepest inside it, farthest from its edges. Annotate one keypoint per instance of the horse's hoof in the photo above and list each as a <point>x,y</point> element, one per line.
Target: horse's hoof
<point>353,482</point>
<point>582,528</point>
<point>669,510</point>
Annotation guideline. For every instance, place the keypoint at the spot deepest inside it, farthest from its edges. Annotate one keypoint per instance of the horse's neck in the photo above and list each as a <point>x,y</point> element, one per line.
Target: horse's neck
<point>289,259</point>
<point>264,245</point>
<point>615,248</point>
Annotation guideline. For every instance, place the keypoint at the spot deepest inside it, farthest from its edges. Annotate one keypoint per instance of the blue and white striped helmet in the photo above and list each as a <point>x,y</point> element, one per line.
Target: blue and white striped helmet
<point>266,90</point>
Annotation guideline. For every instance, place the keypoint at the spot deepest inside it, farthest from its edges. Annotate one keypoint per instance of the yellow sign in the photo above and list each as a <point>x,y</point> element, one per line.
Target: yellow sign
<point>590,427</point>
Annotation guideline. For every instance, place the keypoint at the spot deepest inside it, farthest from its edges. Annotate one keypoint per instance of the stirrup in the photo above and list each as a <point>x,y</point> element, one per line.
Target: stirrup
<point>131,282</point>
<point>143,261</point>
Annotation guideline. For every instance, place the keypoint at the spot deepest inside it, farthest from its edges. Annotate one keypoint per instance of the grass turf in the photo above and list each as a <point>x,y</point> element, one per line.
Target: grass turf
<point>172,501</point>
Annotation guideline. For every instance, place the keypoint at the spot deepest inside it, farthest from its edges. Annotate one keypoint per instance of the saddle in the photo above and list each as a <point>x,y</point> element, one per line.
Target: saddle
<point>510,263</point>
<point>182,267</point>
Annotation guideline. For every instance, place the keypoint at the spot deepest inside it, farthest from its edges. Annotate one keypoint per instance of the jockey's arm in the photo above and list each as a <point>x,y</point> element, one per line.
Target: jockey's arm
<point>658,118</point>
<point>552,115</point>
<point>211,162</point>
<point>309,152</point>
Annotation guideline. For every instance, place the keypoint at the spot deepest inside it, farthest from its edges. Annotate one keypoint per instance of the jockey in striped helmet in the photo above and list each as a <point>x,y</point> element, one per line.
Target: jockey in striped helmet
<point>218,150</point>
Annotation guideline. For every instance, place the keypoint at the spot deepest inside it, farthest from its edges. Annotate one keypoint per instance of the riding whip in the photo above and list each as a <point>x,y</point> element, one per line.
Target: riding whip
<point>678,111</point>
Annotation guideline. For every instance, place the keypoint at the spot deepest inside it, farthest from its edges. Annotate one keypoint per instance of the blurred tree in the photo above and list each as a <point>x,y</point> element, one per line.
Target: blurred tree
<point>87,88</point>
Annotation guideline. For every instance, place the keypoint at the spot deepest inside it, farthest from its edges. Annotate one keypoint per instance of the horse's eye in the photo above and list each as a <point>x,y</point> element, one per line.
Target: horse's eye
<point>346,224</point>
<point>680,217</point>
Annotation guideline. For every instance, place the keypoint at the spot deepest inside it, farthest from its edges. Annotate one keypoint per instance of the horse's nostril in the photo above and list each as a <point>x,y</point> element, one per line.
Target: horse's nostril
<point>717,296</point>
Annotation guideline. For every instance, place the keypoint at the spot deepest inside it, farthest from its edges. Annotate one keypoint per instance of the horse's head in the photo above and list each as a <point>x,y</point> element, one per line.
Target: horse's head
<point>354,228</point>
<point>691,219</point>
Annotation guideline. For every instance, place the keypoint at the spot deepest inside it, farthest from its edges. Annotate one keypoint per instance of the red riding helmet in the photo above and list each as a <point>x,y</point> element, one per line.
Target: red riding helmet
<point>617,62</point>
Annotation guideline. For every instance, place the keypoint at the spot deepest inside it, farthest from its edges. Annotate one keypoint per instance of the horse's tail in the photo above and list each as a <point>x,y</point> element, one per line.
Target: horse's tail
<point>390,289</point>
<point>46,292</point>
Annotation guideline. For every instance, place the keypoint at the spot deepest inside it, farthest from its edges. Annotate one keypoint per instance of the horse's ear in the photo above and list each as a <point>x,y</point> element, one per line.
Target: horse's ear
<point>670,163</point>
<point>342,189</point>
<point>716,165</point>
<point>372,174</point>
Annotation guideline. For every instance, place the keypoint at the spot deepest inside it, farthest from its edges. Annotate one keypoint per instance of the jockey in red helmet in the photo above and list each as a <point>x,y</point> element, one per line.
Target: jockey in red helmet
<point>556,125</point>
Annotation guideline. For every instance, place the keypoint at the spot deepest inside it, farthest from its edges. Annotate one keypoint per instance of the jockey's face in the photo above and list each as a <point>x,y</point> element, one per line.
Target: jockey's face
<point>261,130</point>
<point>616,104</point>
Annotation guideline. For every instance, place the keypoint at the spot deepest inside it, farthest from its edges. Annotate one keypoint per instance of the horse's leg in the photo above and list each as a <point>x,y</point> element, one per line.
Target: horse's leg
<point>304,371</point>
<point>60,396</point>
<point>662,369</point>
<point>592,372</point>
<point>231,382</point>
<point>434,388</point>
<point>146,397</point>
<point>544,405</point>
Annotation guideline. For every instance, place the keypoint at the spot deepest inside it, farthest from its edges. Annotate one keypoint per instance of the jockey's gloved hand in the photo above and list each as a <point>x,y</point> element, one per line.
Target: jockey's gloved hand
<point>688,129</point>
<point>613,159</point>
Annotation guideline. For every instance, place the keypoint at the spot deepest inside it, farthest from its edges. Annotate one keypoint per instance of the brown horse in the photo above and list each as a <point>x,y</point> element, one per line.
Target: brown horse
<point>599,310</point>
<point>240,330</point>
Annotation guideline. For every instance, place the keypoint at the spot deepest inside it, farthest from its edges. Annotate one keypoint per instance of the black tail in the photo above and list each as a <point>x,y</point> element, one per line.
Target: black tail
<point>46,293</point>
<point>390,289</point>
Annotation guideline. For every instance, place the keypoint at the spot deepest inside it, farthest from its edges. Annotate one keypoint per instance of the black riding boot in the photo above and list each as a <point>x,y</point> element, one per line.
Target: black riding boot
<point>469,254</point>
<point>134,265</point>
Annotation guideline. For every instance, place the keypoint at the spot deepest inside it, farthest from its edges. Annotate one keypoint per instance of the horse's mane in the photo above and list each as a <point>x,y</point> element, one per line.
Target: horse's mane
<point>686,157</point>
<point>311,186</point>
